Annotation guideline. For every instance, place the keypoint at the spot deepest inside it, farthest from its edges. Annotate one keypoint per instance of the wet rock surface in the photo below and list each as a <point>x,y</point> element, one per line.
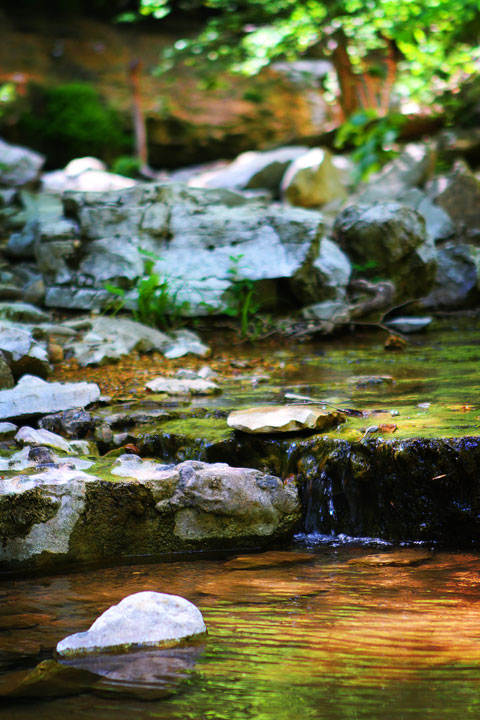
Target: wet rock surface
<point>58,509</point>
<point>145,619</point>
<point>283,419</point>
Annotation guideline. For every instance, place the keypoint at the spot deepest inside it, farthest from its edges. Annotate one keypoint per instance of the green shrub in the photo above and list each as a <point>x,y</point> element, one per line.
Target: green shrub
<point>126,165</point>
<point>373,139</point>
<point>71,121</point>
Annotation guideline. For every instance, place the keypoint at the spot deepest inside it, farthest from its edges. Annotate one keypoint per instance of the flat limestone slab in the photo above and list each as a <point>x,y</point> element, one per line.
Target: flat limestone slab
<point>33,396</point>
<point>284,418</point>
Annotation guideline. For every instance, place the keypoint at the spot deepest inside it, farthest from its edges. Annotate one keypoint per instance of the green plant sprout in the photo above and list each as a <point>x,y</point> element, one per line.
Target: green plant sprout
<point>242,300</point>
<point>157,300</point>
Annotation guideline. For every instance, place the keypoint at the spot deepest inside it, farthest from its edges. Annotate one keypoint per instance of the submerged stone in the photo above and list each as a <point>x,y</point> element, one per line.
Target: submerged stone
<point>145,619</point>
<point>50,679</point>
<point>245,587</point>
<point>284,418</point>
<point>270,559</point>
<point>401,558</point>
<point>365,381</point>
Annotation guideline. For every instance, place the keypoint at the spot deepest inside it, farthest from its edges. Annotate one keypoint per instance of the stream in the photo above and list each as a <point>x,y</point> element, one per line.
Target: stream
<point>323,629</point>
<point>345,632</point>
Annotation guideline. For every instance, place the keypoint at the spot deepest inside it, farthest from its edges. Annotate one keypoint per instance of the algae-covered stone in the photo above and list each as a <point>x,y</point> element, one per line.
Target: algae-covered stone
<point>284,418</point>
<point>6,377</point>
<point>145,619</point>
<point>366,381</point>
<point>128,506</point>
<point>38,513</point>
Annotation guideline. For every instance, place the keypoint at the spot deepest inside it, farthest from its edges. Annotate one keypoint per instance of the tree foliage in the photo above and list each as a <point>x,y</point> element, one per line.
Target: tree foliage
<point>433,43</point>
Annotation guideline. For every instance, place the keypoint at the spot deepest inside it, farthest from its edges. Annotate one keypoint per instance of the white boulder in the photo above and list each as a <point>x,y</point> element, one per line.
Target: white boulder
<point>145,619</point>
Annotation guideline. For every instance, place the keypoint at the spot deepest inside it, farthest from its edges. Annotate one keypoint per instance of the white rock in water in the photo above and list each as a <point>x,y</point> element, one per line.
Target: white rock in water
<point>409,324</point>
<point>145,619</point>
<point>33,396</point>
<point>29,436</point>
<point>284,418</point>
<point>174,386</point>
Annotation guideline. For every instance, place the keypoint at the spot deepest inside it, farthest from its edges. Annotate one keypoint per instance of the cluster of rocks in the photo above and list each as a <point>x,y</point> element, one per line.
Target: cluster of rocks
<point>61,507</point>
<point>30,343</point>
<point>221,228</point>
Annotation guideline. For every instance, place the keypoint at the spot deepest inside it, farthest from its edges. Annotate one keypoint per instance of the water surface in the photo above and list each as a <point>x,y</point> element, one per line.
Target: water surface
<point>334,636</point>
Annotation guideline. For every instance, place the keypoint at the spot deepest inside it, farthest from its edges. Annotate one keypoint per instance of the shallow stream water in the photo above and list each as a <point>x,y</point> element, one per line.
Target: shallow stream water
<point>336,635</point>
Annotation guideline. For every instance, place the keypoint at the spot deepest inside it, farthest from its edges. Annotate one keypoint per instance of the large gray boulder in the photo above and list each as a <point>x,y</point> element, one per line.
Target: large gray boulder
<point>205,239</point>
<point>457,279</point>
<point>458,194</point>
<point>145,619</point>
<point>18,165</point>
<point>438,224</point>
<point>388,240</point>
<point>411,169</point>
<point>74,510</point>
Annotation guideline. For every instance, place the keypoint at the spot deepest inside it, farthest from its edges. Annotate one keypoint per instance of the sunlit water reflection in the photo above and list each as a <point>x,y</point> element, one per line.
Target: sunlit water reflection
<point>350,632</point>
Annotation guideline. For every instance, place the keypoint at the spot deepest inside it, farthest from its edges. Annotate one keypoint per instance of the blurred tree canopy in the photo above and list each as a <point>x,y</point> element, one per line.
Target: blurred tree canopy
<point>422,47</point>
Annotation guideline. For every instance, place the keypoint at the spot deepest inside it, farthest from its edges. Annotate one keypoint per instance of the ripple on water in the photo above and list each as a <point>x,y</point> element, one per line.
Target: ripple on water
<point>342,636</point>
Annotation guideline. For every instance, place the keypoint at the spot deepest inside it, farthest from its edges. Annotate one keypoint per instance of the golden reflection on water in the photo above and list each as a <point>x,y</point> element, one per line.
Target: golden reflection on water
<point>345,635</point>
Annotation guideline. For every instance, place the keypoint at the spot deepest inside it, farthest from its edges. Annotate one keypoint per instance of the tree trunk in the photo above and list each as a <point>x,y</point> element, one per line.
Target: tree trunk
<point>140,132</point>
<point>373,86</point>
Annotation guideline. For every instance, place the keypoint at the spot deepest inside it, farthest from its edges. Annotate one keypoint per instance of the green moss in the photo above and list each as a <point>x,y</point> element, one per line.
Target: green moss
<point>119,519</point>
<point>71,121</point>
<point>211,430</point>
<point>19,513</point>
<point>443,374</point>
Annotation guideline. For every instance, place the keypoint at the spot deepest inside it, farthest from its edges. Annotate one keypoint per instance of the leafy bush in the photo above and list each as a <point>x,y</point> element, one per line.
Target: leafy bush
<point>126,165</point>
<point>70,121</point>
<point>373,139</point>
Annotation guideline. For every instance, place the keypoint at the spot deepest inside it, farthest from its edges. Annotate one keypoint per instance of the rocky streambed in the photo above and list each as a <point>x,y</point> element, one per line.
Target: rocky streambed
<point>158,468</point>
